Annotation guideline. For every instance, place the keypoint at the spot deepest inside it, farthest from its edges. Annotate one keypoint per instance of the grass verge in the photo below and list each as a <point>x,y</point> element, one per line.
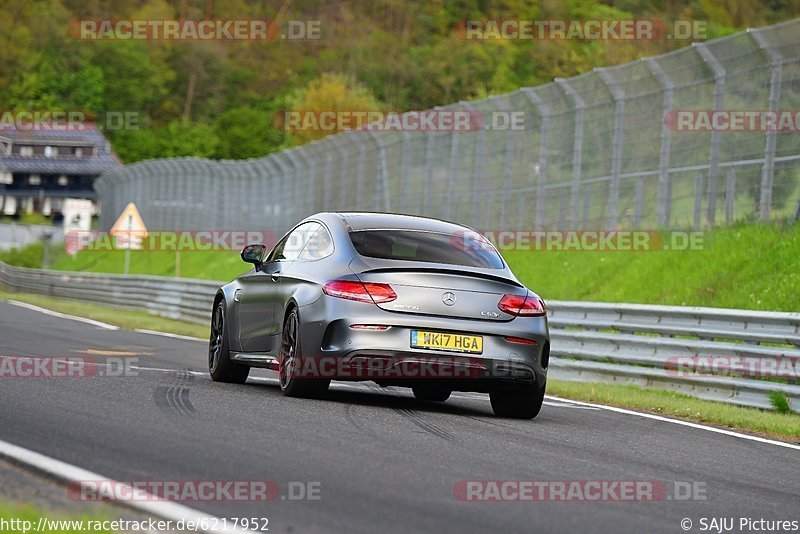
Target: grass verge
<point>785,426</point>
<point>129,319</point>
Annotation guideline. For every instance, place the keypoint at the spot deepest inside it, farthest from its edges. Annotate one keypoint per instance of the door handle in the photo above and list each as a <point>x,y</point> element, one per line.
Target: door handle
<point>275,276</point>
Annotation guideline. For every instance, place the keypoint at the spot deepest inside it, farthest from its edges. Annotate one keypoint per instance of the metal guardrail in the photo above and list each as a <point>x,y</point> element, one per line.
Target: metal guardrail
<point>591,341</point>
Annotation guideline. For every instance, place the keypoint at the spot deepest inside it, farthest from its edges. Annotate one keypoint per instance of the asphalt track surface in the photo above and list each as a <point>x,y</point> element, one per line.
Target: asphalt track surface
<point>384,461</point>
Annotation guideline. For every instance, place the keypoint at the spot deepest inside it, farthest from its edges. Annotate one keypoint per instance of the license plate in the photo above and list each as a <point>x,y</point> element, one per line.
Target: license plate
<point>423,339</point>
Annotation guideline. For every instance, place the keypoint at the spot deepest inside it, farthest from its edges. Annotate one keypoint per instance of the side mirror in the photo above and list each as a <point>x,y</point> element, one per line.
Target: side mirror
<point>254,254</point>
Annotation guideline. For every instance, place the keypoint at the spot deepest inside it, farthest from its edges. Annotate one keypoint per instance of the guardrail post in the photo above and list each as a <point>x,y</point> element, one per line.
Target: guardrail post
<point>541,171</point>
<point>664,202</point>
<point>577,148</point>
<point>719,96</point>
<point>768,170</point>
<point>618,96</point>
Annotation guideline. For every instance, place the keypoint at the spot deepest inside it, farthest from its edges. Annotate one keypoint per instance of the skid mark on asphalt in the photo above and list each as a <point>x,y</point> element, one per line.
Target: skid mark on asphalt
<point>426,425</point>
<point>172,399</point>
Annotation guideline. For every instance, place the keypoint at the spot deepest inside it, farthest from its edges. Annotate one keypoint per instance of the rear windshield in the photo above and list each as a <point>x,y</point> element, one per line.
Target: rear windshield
<point>410,245</point>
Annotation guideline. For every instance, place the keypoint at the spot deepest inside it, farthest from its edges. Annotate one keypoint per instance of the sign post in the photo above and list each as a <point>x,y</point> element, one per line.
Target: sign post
<point>128,233</point>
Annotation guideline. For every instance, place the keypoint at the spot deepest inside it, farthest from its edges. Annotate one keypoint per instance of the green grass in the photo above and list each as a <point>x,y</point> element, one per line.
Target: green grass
<point>746,266</point>
<point>129,319</point>
<point>784,426</point>
<point>32,514</point>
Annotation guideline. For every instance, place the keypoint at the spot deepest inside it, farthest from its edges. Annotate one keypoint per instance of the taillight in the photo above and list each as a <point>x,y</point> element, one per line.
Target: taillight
<point>362,292</point>
<point>521,341</point>
<point>528,305</point>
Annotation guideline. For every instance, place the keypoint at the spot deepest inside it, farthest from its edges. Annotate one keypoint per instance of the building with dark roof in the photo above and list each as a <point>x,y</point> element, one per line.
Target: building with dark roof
<point>39,168</point>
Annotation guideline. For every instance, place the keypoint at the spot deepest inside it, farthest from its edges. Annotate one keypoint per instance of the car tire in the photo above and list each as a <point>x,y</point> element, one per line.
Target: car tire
<point>432,394</point>
<point>521,403</point>
<point>290,359</point>
<point>220,366</point>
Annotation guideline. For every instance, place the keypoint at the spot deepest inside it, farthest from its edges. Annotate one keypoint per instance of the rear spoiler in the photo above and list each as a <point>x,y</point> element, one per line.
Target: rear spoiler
<point>439,270</point>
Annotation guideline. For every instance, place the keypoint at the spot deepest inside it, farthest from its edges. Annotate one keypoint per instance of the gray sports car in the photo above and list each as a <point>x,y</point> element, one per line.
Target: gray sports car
<point>396,299</point>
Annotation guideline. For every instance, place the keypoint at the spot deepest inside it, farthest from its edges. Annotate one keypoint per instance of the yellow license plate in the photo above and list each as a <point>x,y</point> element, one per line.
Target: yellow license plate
<point>423,339</point>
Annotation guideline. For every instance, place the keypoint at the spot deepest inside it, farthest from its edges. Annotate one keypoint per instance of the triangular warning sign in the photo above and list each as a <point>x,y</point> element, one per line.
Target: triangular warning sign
<point>129,230</point>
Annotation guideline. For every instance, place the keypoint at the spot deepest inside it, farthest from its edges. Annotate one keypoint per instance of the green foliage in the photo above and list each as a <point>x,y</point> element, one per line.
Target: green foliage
<point>780,402</point>
<point>218,99</point>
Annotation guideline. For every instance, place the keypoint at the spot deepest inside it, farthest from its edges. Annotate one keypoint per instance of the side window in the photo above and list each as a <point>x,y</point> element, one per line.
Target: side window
<point>319,246</point>
<point>290,246</point>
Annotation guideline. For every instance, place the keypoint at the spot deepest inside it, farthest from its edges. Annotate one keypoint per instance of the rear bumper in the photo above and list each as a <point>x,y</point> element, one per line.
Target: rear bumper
<point>387,357</point>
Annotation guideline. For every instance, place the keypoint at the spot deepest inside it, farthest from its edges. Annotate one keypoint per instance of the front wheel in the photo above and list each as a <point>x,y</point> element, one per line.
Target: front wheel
<point>522,403</point>
<point>290,363</point>
<point>220,366</point>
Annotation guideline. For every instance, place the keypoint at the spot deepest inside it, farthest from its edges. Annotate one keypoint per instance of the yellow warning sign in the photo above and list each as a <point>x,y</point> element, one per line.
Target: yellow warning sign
<point>129,230</point>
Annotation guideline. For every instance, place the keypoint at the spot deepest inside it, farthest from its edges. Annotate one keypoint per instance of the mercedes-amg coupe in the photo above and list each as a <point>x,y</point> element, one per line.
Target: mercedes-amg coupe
<point>396,299</point>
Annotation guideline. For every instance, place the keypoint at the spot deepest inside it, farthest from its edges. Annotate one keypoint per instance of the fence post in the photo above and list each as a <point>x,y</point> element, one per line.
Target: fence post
<point>381,197</point>
<point>508,163</point>
<point>664,207</point>
<point>768,170</point>
<point>698,201</point>
<point>338,142</point>
<point>618,95</point>
<point>730,195</point>
<point>577,148</point>
<point>284,185</point>
<point>637,213</point>
<point>451,179</point>
<point>425,204</point>
<point>719,96</point>
<point>405,161</point>
<point>297,191</point>
<point>544,130</point>
<point>477,174</point>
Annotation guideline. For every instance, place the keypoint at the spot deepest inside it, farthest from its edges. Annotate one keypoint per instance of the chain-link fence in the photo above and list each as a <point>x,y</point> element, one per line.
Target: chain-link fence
<point>600,150</point>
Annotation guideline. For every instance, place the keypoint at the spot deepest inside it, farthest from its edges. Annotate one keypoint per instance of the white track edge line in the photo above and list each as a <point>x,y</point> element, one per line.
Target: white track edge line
<point>68,473</point>
<point>682,423</point>
<point>63,315</point>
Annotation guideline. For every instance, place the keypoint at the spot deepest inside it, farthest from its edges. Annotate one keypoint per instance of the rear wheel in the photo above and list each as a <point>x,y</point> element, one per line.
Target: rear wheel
<point>431,393</point>
<point>523,403</point>
<point>290,363</point>
<point>220,366</point>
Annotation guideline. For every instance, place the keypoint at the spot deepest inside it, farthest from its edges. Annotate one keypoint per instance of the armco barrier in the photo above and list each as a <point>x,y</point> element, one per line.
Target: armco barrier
<point>591,341</point>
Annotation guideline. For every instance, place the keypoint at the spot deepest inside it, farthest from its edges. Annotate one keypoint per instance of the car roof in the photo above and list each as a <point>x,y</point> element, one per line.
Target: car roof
<point>356,221</point>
